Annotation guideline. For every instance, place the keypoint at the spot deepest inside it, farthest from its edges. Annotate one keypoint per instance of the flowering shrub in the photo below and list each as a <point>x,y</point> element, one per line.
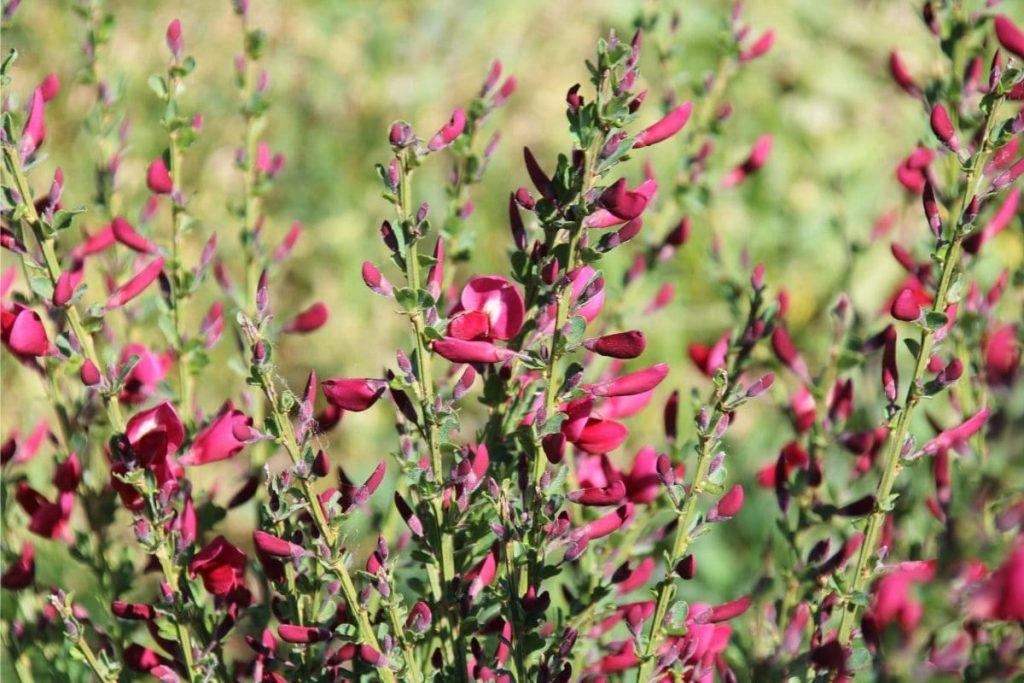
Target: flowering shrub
<point>522,540</point>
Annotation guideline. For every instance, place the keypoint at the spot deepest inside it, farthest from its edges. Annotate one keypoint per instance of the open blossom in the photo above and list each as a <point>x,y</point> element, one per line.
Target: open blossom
<point>155,434</point>
<point>221,566</point>
<point>490,307</point>
<point>619,204</point>
<point>49,519</point>
<point>21,572</point>
<point>223,438</point>
<point>22,331</point>
<point>144,379</point>
<point>892,599</point>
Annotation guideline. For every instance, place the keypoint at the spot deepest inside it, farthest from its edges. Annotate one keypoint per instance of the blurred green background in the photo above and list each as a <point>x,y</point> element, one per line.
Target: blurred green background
<point>341,72</point>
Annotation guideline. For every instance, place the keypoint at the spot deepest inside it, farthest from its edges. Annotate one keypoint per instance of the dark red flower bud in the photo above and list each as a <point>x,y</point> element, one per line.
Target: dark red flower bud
<point>687,568</point>
<point>943,127</point>
<point>619,345</point>
<point>132,610</point>
<point>291,633</point>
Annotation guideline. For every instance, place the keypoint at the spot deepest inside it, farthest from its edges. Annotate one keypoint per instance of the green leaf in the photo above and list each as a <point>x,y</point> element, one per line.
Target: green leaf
<point>934,320</point>
<point>158,85</point>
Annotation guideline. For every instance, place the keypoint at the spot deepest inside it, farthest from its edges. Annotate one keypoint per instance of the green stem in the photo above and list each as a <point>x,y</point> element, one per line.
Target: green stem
<point>863,572</point>
<point>46,244</point>
<point>337,564</point>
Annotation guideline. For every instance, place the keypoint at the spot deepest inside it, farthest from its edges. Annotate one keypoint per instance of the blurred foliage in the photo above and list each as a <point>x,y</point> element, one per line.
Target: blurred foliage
<point>341,72</point>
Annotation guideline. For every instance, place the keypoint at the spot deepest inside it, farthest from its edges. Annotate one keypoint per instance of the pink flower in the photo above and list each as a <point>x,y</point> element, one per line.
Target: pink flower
<point>309,320</point>
<point>633,383</point>
<point>760,47</point>
<point>174,40</point>
<point>901,75</point>
<point>753,163</point>
<point>957,435</point>
<point>419,618</point>
<point>21,329</point>
<point>483,572</point>
<point>1010,36</point>
<point>491,308</point>
<point>274,546</point>
<point>158,179</point>
<point>66,285</point>
<point>223,438</point>
<point>803,409</point>
<point>643,483</point>
<point>913,171</point>
<point>449,131</point>
<point>144,379</point>
<point>1002,218</point>
<point>461,351</point>
<point>607,524</point>
<point>137,284</point>
<point>600,436</point>
<point>34,132</point>
<point>892,600</point>
<point>221,566</point>
<point>1002,595</point>
<point>665,128</point>
<point>1002,351</point>
<point>375,280</point>
<point>905,307</point>
<point>728,505</point>
<point>355,395</point>
<point>708,359</point>
<point>50,87</point>
<point>126,235</point>
<point>620,204</point>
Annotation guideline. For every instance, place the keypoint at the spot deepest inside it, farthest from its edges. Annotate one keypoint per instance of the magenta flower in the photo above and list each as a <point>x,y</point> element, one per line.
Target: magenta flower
<point>158,179</point>
<point>1002,351</point>
<point>221,566</point>
<point>355,395</point>
<point>34,132</point>
<point>66,285</point>
<point>155,434</point>
<point>144,379</point>
<point>620,204</point>
<point>760,47</point>
<point>1001,596</point>
<point>632,383</point>
<point>22,331</point>
<point>1010,35</point>
<point>491,307</point>
<point>901,75</point>
<point>913,171</point>
<point>600,436</point>
<point>728,505</point>
<point>133,611</point>
<point>753,163</point>
<point>291,633</point>
<point>943,127</point>
<point>892,600</point>
<point>309,320</point>
<point>375,280</point>
<point>223,438</point>
<point>126,235</point>
<point>951,438</point>
<point>174,40</point>
<point>905,306</point>
<point>274,546</point>
<point>462,351</point>
<point>50,87</point>
<point>665,128</point>
<point>449,131</point>
<point>137,284</point>
<point>613,494</point>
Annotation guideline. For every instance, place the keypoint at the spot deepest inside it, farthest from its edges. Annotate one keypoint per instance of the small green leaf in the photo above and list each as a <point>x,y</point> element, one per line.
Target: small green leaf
<point>158,85</point>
